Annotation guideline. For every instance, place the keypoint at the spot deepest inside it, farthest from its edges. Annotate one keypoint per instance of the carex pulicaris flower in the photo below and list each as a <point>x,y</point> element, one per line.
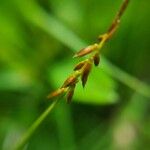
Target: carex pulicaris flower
<point>82,70</point>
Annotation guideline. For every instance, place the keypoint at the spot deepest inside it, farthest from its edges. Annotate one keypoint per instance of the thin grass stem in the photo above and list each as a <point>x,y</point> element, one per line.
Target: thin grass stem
<point>27,135</point>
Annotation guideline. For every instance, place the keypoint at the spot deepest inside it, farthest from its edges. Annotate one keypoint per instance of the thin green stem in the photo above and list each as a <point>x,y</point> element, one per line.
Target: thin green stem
<point>27,135</point>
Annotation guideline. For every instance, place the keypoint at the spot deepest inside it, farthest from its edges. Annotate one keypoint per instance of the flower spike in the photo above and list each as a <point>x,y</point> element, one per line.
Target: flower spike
<point>83,68</point>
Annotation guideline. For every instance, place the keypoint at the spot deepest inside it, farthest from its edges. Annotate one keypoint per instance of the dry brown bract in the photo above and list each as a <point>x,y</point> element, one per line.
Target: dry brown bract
<point>83,68</point>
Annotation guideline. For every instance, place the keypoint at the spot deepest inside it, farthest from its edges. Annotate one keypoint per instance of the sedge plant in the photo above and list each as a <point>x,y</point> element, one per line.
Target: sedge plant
<point>81,72</point>
<point>83,68</point>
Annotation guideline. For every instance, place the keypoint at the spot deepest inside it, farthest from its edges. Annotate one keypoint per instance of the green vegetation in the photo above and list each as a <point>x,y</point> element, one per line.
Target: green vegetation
<point>37,40</point>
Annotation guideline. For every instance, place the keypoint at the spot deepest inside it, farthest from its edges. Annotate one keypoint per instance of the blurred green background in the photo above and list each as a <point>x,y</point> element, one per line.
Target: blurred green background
<point>37,41</point>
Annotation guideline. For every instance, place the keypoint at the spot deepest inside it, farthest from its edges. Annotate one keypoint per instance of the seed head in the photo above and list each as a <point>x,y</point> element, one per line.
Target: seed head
<point>85,73</point>
<point>70,81</point>
<point>56,93</point>
<point>83,68</point>
<point>96,59</point>
<point>70,93</point>
<point>86,50</point>
<point>79,65</point>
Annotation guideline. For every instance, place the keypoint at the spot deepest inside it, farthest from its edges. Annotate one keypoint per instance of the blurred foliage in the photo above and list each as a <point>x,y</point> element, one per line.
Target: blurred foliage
<point>38,39</point>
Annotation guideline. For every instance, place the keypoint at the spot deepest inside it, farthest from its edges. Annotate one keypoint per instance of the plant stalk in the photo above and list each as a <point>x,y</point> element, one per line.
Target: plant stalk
<point>23,140</point>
